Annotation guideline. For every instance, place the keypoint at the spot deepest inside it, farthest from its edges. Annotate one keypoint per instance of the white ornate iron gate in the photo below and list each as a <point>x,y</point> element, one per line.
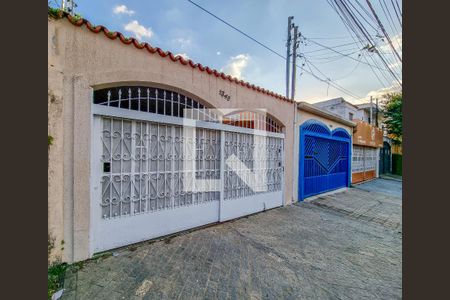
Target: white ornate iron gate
<point>154,175</point>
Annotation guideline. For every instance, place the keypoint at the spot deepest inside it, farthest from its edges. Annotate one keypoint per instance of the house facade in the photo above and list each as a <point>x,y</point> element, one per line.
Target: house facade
<point>147,144</point>
<point>323,151</point>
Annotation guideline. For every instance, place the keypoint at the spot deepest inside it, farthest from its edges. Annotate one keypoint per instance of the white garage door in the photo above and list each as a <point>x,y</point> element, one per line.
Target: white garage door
<point>154,173</point>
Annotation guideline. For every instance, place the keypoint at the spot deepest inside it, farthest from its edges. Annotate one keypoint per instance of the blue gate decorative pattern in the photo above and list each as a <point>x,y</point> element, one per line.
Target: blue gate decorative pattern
<point>324,163</point>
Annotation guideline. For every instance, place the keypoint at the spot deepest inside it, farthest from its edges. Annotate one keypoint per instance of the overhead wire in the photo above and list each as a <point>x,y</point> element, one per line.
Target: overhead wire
<point>357,27</point>
<point>335,56</point>
<point>351,72</point>
<point>390,20</point>
<point>385,60</point>
<point>336,46</point>
<point>396,14</point>
<point>330,38</point>
<point>335,85</point>
<point>349,26</point>
<point>383,29</point>
<point>398,7</point>
<point>238,30</point>
<point>343,54</point>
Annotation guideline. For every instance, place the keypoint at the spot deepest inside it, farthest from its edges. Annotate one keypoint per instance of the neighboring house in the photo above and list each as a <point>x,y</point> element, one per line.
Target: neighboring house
<point>323,142</point>
<point>147,144</point>
<point>367,137</point>
<point>349,111</point>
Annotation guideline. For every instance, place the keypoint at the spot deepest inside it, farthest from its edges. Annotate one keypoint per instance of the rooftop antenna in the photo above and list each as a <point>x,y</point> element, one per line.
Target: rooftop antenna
<point>69,6</point>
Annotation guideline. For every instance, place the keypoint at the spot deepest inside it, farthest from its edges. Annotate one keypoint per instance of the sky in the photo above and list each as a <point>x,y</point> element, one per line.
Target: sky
<point>184,29</point>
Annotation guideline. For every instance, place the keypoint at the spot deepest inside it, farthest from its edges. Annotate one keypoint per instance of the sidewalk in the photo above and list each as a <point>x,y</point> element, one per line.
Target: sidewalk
<point>391,176</point>
<point>342,246</point>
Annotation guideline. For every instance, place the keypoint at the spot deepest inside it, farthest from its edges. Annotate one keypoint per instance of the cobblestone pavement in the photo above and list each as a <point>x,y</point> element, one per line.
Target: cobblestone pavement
<point>341,246</point>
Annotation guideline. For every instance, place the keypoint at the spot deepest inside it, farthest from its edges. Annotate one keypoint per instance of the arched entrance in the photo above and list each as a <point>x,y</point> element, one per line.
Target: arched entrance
<point>324,163</point>
<point>163,162</point>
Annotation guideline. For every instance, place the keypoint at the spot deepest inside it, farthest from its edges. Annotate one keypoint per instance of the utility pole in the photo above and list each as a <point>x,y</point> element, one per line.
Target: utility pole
<point>288,55</point>
<point>370,117</point>
<point>294,60</point>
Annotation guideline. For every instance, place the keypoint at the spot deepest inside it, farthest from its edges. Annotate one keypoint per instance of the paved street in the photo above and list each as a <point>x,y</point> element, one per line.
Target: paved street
<point>346,245</point>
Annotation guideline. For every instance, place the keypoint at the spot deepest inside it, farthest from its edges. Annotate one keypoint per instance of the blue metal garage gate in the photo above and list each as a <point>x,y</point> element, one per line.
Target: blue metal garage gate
<point>324,163</point>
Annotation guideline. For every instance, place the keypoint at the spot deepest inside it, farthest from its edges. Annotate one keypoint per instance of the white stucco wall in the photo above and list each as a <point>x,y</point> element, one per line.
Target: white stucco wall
<point>80,61</point>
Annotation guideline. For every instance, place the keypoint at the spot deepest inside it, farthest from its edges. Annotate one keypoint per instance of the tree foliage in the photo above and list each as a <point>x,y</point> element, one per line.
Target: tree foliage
<point>393,117</point>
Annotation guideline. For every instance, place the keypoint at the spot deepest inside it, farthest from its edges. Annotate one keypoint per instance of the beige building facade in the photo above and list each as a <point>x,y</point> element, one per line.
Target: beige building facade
<point>82,59</point>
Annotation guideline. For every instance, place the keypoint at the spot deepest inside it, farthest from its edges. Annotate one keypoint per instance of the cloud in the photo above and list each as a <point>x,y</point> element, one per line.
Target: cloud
<point>122,9</point>
<point>183,42</point>
<point>218,53</point>
<point>381,93</point>
<point>236,65</point>
<point>183,55</point>
<point>138,30</point>
<point>396,42</point>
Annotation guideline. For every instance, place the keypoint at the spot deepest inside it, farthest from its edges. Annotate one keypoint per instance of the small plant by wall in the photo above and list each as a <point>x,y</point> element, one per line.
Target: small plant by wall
<point>55,278</point>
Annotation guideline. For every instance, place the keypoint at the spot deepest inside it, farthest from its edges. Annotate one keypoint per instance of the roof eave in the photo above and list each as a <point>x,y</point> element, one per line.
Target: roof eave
<point>315,110</point>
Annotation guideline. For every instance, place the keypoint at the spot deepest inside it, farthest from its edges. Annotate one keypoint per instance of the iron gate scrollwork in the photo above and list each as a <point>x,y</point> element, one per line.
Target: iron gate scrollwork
<point>151,169</point>
<point>152,166</point>
<point>256,167</point>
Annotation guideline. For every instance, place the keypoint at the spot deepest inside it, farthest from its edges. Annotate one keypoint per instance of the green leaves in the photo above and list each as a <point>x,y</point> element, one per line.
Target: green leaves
<point>393,116</point>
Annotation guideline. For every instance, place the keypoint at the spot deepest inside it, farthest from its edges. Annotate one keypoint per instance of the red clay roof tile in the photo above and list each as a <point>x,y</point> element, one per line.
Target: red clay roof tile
<point>113,35</point>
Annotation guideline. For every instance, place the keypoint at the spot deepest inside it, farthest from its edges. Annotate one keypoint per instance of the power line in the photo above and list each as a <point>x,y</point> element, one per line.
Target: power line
<point>391,19</point>
<point>327,80</point>
<point>335,85</point>
<point>384,31</point>
<point>337,46</point>
<point>391,22</point>
<point>343,54</point>
<point>351,72</point>
<point>398,7</point>
<point>352,31</point>
<point>359,13</point>
<point>336,56</point>
<point>238,30</point>
<point>352,20</point>
<point>365,11</point>
<point>331,38</point>
<point>396,13</point>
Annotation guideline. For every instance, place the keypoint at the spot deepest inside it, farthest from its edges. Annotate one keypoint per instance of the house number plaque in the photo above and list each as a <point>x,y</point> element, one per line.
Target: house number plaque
<point>225,96</point>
